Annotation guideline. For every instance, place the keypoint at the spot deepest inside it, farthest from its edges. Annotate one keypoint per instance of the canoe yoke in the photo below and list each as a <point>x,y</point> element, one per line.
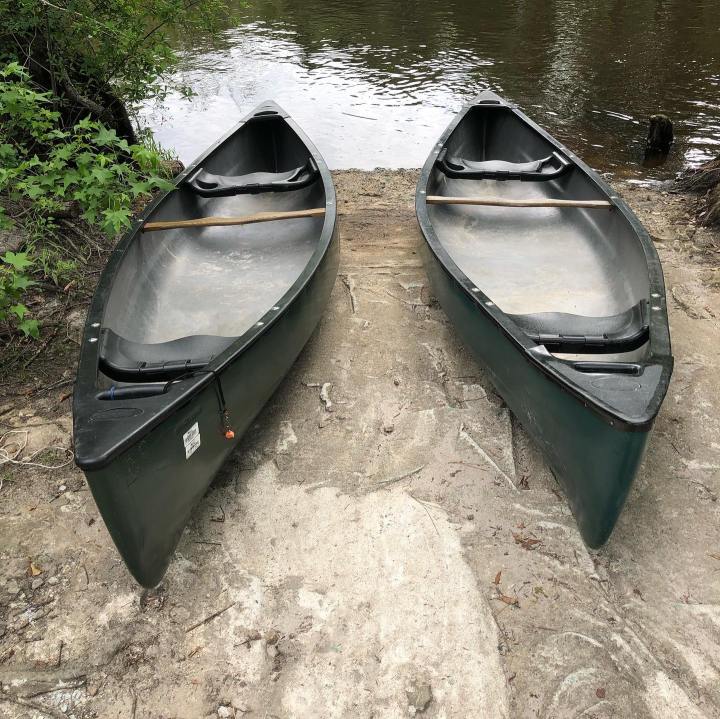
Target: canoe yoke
<point>462,169</point>
<point>208,185</point>
<point>124,360</point>
<point>562,332</point>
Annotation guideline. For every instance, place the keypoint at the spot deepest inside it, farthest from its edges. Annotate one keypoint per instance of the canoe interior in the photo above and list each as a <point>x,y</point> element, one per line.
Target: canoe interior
<point>219,281</point>
<point>587,262</point>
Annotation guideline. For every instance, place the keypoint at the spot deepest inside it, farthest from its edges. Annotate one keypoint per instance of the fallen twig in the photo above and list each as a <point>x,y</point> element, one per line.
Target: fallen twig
<point>399,478</point>
<point>62,686</point>
<point>350,285</point>
<point>214,615</point>
<point>464,435</point>
<point>427,511</point>
<point>42,347</point>
<point>55,385</point>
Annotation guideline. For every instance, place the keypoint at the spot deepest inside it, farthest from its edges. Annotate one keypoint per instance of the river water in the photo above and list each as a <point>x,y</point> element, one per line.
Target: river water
<point>374,83</point>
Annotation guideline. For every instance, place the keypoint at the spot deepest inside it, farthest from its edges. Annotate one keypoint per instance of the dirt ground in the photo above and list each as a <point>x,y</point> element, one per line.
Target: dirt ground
<point>366,557</point>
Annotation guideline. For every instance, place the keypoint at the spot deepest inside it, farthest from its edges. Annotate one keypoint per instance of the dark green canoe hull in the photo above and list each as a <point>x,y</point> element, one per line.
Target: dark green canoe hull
<point>594,462</point>
<point>147,494</point>
<point>564,307</point>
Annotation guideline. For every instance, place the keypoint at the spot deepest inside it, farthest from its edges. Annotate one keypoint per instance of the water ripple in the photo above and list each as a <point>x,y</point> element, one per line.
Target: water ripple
<point>375,82</point>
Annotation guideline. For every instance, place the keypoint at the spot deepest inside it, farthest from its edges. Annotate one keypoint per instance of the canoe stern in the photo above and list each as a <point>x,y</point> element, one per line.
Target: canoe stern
<point>594,460</point>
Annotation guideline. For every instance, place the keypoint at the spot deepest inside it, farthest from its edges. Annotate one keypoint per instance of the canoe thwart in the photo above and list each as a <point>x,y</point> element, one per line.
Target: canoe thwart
<point>229,221</point>
<point>501,202</point>
<point>547,168</point>
<point>207,184</point>
<point>564,332</point>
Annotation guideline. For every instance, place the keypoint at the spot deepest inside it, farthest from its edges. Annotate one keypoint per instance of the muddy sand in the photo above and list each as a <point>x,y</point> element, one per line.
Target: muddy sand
<point>369,558</point>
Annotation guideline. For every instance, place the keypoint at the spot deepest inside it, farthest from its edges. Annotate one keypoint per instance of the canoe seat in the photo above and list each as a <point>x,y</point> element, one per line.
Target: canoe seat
<point>562,332</point>
<point>208,185</point>
<point>547,168</point>
<point>122,359</point>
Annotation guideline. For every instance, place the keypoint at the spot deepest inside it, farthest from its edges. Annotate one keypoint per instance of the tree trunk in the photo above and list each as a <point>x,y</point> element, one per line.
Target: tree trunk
<point>102,105</point>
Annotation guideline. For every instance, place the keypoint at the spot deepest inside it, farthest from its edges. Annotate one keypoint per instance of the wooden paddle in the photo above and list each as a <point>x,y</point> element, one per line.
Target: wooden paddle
<point>239,220</point>
<point>499,202</point>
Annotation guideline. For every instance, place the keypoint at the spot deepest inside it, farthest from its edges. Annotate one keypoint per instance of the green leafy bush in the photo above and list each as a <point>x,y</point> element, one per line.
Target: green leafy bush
<point>13,283</point>
<point>47,170</point>
<point>88,163</point>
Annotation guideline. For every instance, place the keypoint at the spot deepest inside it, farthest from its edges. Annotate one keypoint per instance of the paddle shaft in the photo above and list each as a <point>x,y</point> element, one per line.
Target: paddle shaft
<point>239,220</point>
<point>499,202</point>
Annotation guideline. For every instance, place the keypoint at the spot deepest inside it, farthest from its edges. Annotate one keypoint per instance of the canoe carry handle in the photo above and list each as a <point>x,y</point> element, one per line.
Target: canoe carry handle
<point>228,221</point>
<point>501,202</point>
<point>608,367</point>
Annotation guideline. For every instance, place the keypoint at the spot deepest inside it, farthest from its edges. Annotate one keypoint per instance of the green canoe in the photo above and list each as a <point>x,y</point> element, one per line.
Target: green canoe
<point>193,328</point>
<point>556,287</point>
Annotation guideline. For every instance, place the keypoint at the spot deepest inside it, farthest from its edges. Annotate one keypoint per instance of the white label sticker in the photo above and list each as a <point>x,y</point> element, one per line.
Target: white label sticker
<point>191,438</point>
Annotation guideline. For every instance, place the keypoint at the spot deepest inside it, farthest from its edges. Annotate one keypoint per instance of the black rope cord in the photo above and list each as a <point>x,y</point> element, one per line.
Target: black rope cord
<point>224,412</point>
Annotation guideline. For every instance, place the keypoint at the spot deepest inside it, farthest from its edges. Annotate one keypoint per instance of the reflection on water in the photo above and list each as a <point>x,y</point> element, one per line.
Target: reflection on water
<point>374,83</point>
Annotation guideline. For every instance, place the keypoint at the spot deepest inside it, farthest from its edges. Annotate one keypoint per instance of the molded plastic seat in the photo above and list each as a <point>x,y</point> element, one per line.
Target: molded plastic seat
<point>563,332</point>
<point>460,168</point>
<point>121,359</point>
<point>208,185</point>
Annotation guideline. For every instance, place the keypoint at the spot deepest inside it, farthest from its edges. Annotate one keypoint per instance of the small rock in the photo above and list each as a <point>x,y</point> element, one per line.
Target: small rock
<point>12,587</point>
<point>396,381</point>
<point>325,396</point>
<point>283,461</point>
<point>62,488</point>
<point>36,583</point>
<point>419,697</point>
<point>388,428</point>
<point>225,711</point>
<point>53,581</point>
<point>471,517</point>
<point>272,637</point>
<point>92,689</point>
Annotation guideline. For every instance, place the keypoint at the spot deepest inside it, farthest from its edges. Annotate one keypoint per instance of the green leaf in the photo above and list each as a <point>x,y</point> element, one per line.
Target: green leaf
<point>19,260</point>
<point>105,137</point>
<point>21,282</point>
<point>19,310</point>
<point>29,328</point>
<point>102,174</point>
<point>8,153</point>
<point>115,220</point>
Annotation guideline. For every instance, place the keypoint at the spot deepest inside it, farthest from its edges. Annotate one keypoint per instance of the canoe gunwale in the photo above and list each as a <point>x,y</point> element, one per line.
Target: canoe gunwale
<point>558,370</point>
<point>158,409</point>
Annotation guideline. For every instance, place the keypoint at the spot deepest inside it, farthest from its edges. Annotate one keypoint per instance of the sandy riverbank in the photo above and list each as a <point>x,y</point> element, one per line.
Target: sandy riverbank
<point>349,595</point>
